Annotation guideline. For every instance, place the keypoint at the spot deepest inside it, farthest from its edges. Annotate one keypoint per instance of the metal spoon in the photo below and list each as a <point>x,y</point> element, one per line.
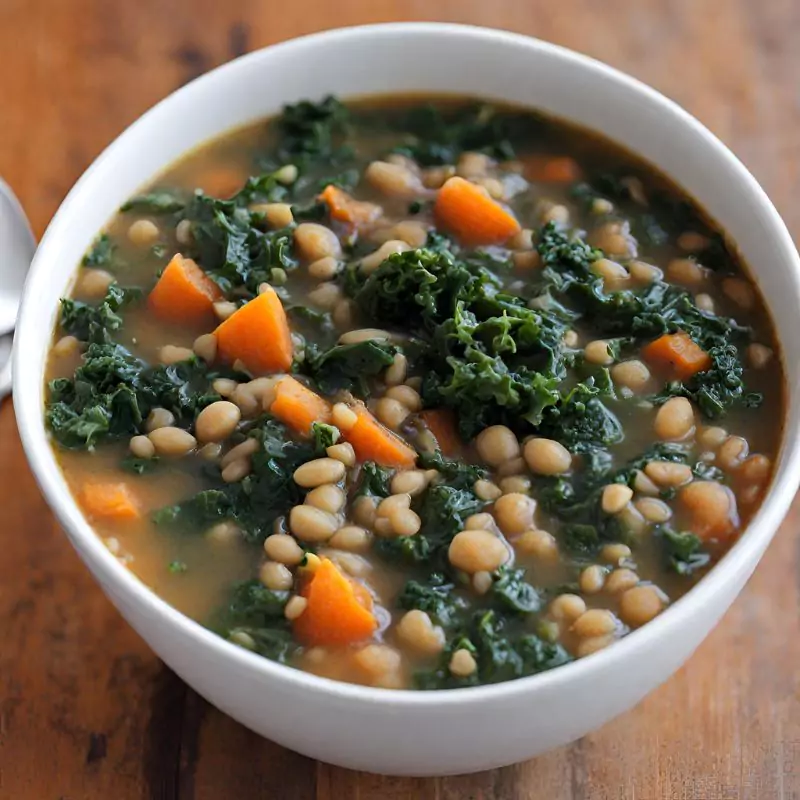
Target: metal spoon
<point>17,247</point>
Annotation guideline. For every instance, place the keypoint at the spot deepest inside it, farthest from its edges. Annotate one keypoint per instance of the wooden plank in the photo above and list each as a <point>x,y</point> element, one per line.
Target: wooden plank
<point>86,710</point>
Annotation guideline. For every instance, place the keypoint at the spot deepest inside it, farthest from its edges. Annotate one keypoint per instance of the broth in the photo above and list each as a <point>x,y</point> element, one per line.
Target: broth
<point>519,300</point>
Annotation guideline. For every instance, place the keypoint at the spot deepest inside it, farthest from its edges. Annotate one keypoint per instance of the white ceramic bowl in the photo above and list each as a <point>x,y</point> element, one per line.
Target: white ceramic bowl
<point>417,733</point>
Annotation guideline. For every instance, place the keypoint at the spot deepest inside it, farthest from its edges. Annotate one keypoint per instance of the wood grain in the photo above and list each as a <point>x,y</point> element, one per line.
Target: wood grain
<point>86,710</point>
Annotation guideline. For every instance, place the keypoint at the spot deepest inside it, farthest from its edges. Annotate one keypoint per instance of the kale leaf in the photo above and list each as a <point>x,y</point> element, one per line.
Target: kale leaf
<point>254,618</point>
<point>437,598</point>
<point>112,392</point>
<point>96,323</point>
<point>348,366</point>
<point>255,502</point>
<point>437,137</point>
<point>231,247</point>
<point>157,202</point>
<point>684,551</point>
<point>512,592</point>
<point>101,253</point>
<point>312,132</point>
<point>499,657</point>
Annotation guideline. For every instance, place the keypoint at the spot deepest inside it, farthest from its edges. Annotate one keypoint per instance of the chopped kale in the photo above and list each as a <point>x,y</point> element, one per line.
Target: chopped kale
<point>374,480</point>
<point>684,551</point>
<point>159,202</point>
<point>499,657</point>
<point>112,392</point>
<point>348,366</point>
<point>101,253</point>
<point>324,436</point>
<point>254,617</point>
<point>436,137</point>
<point>512,592</point>
<point>255,502</point>
<point>228,240</point>
<point>438,598</point>
<point>96,323</point>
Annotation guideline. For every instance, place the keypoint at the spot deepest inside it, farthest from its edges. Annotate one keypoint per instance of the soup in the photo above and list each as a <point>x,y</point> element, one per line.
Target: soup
<point>415,392</point>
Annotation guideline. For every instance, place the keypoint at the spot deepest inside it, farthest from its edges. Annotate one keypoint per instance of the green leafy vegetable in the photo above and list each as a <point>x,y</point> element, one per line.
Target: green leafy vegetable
<point>231,247</point>
<point>498,656</point>
<point>96,323</point>
<point>101,253</point>
<point>513,593</point>
<point>254,617</point>
<point>255,502</point>
<point>437,137</point>
<point>684,551</point>
<point>438,598</point>
<point>159,202</point>
<point>348,366</point>
<point>112,392</point>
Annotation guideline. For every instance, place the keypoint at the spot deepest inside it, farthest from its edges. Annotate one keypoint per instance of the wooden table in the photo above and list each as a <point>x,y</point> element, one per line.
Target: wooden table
<point>86,710</point>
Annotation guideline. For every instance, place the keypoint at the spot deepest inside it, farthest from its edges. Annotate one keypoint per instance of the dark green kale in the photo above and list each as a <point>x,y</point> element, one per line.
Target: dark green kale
<point>499,657</point>
<point>416,289</point>
<point>254,605</point>
<point>348,366</point>
<point>323,436</point>
<point>443,510</point>
<point>683,551</point>
<point>576,500</point>
<point>254,618</point>
<point>312,132</point>
<point>112,392</point>
<point>437,597</point>
<point>580,420</point>
<point>374,480</point>
<point>101,253</point>
<point>457,474</point>
<point>511,592</point>
<point>488,356</point>
<point>255,502</point>
<point>647,314</point>
<point>96,323</point>
<point>439,137</point>
<point>158,202</point>
<point>229,243</point>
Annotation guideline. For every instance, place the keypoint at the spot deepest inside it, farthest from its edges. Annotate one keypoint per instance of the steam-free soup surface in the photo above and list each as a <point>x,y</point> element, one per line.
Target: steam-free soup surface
<point>415,392</point>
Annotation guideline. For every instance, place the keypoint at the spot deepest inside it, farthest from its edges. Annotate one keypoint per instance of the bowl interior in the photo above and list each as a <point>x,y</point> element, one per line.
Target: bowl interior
<point>414,58</point>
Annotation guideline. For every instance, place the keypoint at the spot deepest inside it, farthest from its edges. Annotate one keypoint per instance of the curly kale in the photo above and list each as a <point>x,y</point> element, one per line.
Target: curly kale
<point>500,656</point>
<point>112,392</point>
<point>96,323</point>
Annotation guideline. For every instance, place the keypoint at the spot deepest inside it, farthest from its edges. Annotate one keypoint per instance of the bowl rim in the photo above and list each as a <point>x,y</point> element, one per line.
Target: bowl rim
<point>735,563</point>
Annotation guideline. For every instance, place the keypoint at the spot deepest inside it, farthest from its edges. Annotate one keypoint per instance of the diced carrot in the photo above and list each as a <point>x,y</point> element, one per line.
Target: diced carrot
<point>298,406</point>
<point>184,294</point>
<point>222,181</point>
<point>441,423</point>
<point>338,611</point>
<point>375,442</point>
<point>347,209</point>
<point>467,211</point>
<point>549,169</point>
<point>109,501</point>
<point>258,335</point>
<point>677,355</point>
